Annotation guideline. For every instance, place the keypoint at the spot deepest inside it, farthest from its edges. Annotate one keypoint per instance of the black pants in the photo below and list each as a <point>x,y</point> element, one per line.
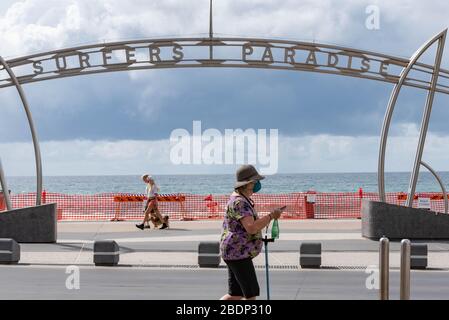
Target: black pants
<point>242,279</point>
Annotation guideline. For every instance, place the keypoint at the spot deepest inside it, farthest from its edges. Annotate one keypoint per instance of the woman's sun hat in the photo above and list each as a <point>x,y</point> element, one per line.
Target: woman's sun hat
<point>246,174</point>
<point>146,175</point>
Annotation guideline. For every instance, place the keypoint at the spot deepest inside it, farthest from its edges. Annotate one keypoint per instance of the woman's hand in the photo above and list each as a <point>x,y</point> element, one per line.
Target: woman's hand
<point>254,226</point>
<point>276,213</point>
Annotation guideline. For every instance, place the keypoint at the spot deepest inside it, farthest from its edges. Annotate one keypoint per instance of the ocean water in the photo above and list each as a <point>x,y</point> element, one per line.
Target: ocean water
<point>223,184</point>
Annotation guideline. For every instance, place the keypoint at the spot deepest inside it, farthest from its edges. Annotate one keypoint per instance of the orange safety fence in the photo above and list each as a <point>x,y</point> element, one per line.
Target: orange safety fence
<point>300,205</point>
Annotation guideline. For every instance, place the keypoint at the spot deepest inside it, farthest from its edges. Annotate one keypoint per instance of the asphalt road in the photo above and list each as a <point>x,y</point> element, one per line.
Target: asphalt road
<point>49,282</point>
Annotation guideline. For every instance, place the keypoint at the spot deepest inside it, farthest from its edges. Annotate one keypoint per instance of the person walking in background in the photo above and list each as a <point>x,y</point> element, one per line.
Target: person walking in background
<point>241,239</point>
<point>151,207</point>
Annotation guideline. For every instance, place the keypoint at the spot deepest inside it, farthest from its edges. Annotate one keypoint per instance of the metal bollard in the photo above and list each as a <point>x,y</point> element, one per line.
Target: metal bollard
<point>384,268</point>
<point>310,255</point>
<point>209,254</point>
<point>106,253</point>
<point>405,270</point>
<point>9,251</point>
<point>418,256</point>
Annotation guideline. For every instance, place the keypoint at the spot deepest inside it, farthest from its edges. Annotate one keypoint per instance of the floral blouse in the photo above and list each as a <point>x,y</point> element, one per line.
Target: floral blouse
<point>236,242</point>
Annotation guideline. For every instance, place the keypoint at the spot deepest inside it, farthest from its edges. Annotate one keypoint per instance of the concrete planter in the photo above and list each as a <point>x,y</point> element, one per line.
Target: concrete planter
<point>399,222</point>
<point>30,225</point>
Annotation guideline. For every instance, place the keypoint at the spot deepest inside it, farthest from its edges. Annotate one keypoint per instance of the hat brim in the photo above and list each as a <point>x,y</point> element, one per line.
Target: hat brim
<point>257,177</point>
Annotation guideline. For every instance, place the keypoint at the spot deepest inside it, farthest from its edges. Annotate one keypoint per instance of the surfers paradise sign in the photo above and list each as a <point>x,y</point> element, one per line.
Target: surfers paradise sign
<point>217,52</point>
<point>242,53</point>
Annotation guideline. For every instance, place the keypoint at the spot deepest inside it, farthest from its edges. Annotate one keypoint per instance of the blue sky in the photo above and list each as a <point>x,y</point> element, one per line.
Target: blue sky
<point>120,123</point>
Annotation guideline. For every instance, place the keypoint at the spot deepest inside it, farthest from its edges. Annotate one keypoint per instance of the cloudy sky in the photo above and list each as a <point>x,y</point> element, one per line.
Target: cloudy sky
<point>120,123</point>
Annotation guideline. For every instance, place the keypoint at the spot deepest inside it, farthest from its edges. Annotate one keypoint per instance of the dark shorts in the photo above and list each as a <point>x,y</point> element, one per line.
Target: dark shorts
<point>242,279</point>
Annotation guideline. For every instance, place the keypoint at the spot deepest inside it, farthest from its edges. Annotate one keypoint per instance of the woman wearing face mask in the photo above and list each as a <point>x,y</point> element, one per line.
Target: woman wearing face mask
<point>241,239</point>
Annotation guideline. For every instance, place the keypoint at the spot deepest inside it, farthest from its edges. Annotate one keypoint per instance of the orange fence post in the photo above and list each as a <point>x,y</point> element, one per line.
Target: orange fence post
<point>2,202</point>
<point>44,197</point>
<point>361,198</point>
<point>212,206</point>
<point>119,200</point>
<point>310,199</point>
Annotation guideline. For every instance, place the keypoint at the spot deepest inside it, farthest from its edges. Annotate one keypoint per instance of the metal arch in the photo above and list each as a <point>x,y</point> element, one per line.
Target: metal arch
<point>5,189</point>
<point>210,44</point>
<point>440,182</point>
<point>37,152</point>
<point>425,120</point>
<point>392,102</point>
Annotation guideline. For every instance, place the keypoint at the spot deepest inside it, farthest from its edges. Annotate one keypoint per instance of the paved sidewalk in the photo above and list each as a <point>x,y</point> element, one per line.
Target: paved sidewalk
<point>342,243</point>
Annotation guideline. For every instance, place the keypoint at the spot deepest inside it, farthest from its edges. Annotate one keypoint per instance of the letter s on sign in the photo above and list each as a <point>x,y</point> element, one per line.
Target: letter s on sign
<point>177,52</point>
<point>38,69</point>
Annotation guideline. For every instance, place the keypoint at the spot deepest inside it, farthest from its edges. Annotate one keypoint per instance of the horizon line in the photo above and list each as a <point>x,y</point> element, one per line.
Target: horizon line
<point>205,174</point>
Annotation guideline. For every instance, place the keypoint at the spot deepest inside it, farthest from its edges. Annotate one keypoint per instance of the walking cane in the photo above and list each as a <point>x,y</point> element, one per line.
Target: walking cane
<point>265,241</point>
<point>274,235</point>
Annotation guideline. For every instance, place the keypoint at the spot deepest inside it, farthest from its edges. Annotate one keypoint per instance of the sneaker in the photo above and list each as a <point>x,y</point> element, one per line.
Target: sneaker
<point>164,226</point>
<point>147,227</point>
<point>140,226</point>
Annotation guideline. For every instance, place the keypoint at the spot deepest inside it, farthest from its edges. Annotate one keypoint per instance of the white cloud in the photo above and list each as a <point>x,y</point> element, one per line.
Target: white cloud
<point>86,157</point>
<point>314,153</point>
<point>31,25</point>
<point>325,153</point>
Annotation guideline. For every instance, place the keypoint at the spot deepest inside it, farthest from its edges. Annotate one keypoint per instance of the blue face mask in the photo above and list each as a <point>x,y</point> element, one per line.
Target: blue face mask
<point>257,187</point>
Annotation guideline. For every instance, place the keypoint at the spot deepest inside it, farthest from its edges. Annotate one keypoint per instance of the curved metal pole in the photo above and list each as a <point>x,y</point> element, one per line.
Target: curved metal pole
<point>425,121</point>
<point>440,183</point>
<point>37,152</point>
<point>390,108</point>
<point>5,188</point>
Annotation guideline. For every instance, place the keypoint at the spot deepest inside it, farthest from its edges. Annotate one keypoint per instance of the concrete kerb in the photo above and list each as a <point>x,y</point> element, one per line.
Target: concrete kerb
<point>9,251</point>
